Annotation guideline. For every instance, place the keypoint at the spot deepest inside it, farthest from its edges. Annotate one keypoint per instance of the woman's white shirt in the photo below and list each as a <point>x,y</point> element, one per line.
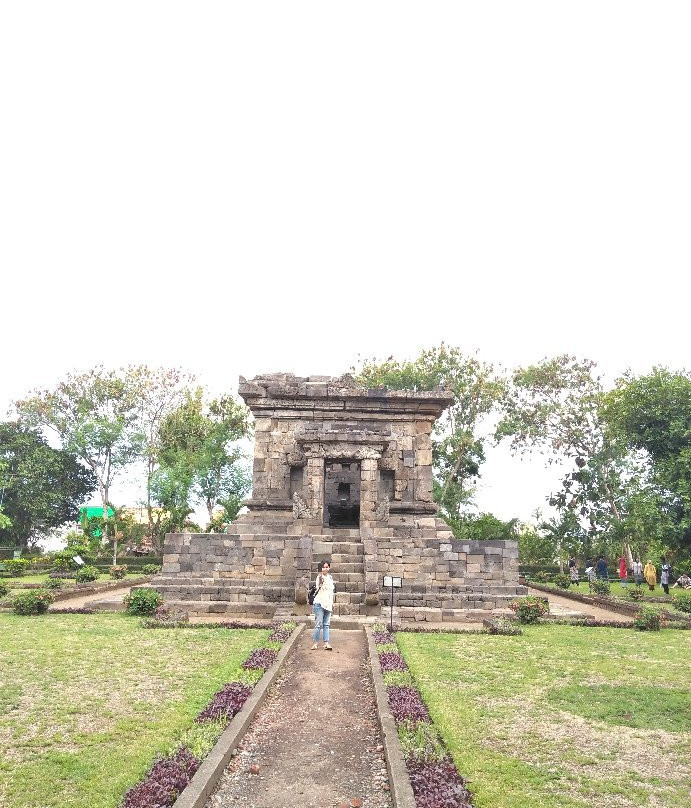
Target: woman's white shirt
<point>325,595</point>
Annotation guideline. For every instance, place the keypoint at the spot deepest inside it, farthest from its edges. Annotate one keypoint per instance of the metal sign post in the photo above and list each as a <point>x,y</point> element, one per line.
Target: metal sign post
<point>395,583</point>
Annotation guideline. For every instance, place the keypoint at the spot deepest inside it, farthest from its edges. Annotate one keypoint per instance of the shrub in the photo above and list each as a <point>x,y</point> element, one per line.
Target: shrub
<point>542,577</point>
<point>151,569</point>
<point>165,616</point>
<point>142,601</point>
<point>53,583</point>
<point>226,703</point>
<point>86,574</point>
<point>600,586</point>
<point>60,576</point>
<point>682,601</point>
<point>562,581</point>
<point>634,593</point>
<point>262,658</point>
<point>392,661</point>
<point>64,560</point>
<point>3,589</point>
<point>118,571</point>
<point>16,566</point>
<point>406,704</point>
<point>165,780</point>
<point>437,783</point>
<point>529,609</point>
<point>648,619</point>
<point>32,601</point>
<point>502,625</point>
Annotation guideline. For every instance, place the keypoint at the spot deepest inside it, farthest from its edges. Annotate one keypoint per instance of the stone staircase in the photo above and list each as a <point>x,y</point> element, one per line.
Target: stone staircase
<point>238,594</point>
<point>345,552</point>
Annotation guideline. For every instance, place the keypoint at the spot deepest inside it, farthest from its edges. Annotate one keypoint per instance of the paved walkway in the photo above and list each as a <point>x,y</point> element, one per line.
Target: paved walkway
<point>112,596</point>
<point>316,740</point>
<point>566,607</point>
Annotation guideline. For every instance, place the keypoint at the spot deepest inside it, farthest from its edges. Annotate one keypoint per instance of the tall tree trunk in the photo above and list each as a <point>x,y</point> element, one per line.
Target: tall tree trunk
<point>149,509</point>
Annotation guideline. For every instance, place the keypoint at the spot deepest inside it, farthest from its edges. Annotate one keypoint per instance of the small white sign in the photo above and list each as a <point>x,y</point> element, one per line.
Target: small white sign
<point>393,581</point>
<point>78,560</point>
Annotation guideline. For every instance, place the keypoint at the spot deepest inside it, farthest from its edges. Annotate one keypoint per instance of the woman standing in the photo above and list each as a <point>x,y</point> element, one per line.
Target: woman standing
<point>323,605</point>
<point>637,571</point>
<point>650,574</point>
<point>623,571</point>
<point>573,571</point>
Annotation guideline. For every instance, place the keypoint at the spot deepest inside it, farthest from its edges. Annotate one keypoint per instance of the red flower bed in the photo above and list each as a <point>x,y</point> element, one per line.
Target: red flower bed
<point>392,661</point>
<point>164,782</point>
<point>226,703</point>
<point>437,784</point>
<point>262,658</point>
<point>406,704</point>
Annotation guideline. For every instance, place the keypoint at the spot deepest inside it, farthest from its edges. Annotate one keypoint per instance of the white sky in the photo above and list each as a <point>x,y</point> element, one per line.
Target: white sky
<point>248,187</point>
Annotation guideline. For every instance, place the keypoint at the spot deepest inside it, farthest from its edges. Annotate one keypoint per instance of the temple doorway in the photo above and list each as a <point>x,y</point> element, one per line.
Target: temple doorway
<point>342,493</point>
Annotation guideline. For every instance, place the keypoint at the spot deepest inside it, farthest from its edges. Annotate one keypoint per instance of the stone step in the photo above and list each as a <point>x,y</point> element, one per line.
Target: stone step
<point>283,591</point>
<point>247,609</point>
<point>336,559</point>
<point>349,597</point>
<point>342,568</point>
<point>327,549</point>
<point>349,608</point>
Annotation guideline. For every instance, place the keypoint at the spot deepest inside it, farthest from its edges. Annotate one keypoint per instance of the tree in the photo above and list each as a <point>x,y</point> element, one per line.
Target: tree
<point>652,413</point>
<point>557,406</point>
<point>95,415</point>
<point>160,391</point>
<point>458,447</point>
<point>41,488</point>
<point>200,459</point>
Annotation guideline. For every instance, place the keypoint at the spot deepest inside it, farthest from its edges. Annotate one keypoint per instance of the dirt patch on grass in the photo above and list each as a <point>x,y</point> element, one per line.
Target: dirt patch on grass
<point>564,742</point>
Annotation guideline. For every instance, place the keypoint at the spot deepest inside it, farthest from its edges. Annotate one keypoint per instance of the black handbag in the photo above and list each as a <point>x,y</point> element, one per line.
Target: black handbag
<point>312,593</point>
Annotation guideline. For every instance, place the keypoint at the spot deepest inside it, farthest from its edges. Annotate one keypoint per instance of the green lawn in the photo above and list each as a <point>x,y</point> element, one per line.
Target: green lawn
<point>87,701</point>
<point>619,591</point>
<point>615,589</point>
<point>562,717</point>
<point>16,581</point>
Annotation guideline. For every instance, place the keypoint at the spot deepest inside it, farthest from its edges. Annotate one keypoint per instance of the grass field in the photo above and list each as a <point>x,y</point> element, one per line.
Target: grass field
<point>618,590</point>
<point>562,717</point>
<point>87,701</point>
<point>41,578</point>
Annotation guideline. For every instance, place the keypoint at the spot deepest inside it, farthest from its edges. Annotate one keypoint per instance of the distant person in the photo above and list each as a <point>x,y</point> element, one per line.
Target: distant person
<point>683,581</point>
<point>637,571</point>
<point>590,574</point>
<point>601,568</point>
<point>650,574</point>
<point>665,570</point>
<point>573,571</point>
<point>623,572</point>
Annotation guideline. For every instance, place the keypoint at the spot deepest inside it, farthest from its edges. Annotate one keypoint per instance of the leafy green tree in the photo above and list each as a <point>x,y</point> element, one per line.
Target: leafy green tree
<point>556,407</point>
<point>200,458</point>
<point>160,392</point>
<point>458,447</point>
<point>486,527</point>
<point>41,488</point>
<point>95,415</point>
<point>653,414</point>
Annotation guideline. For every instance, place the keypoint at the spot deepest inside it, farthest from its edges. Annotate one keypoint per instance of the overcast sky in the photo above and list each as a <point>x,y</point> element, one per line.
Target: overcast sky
<point>251,187</point>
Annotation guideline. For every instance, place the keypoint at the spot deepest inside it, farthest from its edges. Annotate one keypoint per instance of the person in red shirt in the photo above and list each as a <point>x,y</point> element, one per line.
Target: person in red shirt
<point>623,572</point>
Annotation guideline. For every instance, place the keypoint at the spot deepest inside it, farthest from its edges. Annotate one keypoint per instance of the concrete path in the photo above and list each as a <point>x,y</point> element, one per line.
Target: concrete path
<point>566,607</point>
<point>111,600</point>
<point>316,741</point>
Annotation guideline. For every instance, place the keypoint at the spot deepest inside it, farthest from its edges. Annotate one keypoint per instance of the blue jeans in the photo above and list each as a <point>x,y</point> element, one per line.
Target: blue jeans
<point>322,618</point>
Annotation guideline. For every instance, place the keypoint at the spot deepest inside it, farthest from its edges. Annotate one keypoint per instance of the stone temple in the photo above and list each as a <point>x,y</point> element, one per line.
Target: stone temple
<point>342,473</point>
